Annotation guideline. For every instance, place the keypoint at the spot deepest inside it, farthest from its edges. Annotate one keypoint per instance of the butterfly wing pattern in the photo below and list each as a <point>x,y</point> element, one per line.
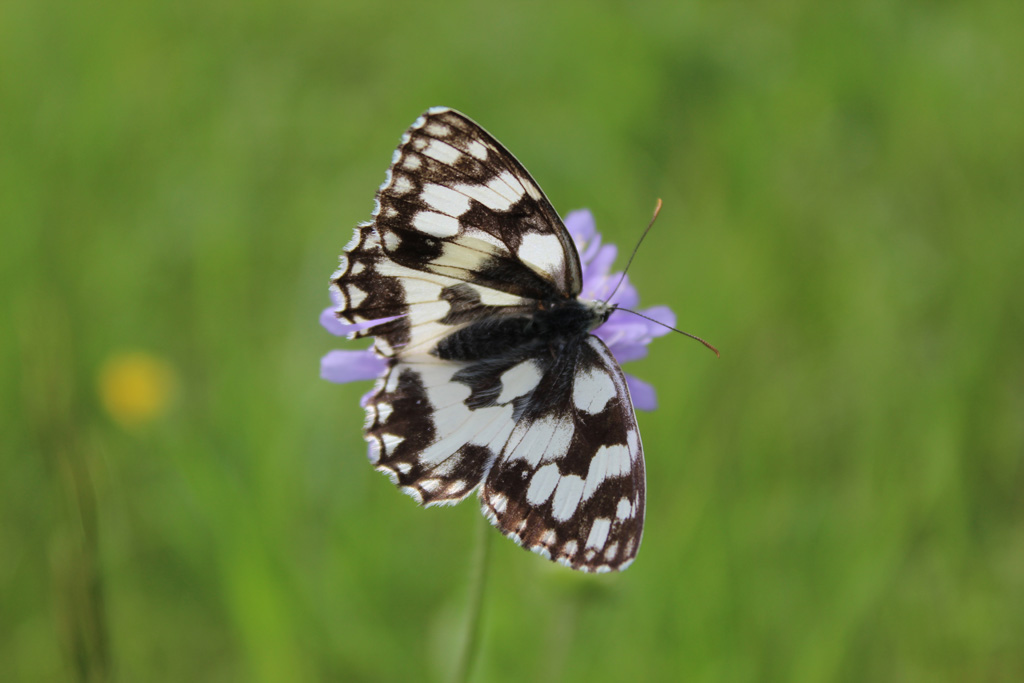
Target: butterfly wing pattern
<point>493,382</point>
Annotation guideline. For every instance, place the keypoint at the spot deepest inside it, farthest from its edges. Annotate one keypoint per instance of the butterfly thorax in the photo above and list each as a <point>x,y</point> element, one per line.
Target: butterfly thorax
<point>552,324</point>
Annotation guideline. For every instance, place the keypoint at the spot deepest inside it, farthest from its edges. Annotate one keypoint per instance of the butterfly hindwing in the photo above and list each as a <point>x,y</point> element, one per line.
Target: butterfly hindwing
<point>436,427</point>
<point>554,441</point>
<point>569,482</point>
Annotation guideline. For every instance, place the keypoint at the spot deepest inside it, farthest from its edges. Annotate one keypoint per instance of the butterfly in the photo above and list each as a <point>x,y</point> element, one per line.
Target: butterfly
<point>469,283</point>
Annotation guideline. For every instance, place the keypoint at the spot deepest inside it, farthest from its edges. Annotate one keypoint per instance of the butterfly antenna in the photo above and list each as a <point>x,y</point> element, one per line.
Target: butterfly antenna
<point>686,334</point>
<point>657,210</point>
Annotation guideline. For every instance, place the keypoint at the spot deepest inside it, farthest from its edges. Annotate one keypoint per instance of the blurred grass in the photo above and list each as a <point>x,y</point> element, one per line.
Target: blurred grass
<point>837,498</point>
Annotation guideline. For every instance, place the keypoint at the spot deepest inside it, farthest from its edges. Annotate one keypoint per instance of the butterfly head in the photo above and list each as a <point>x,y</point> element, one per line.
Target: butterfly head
<point>600,311</point>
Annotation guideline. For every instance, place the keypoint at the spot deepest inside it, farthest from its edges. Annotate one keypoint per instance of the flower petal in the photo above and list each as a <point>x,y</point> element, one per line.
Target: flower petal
<point>351,366</point>
<point>581,226</point>
<point>643,394</point>
<point>664,315</point>
<point>331,323</point>
<point>624,328</point>
<point>365,399</point>
<point>625,352</point>
<point>626,296</point>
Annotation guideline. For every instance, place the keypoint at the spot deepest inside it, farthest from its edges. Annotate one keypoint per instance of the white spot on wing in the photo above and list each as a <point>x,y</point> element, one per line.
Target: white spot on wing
<point>445,199</point>
<point>421,314</point>
<point>382,347</point>
<point>519,380</point>
<point>531,189</point>
<point>477,149</point>
<point>436,224</point>
<point>391,441</point>
<point>543,251</point>
<point>544,440</point>
<point>438,129</point>
<point>493,297</point>
<point>567,497</point>
<point>599,533</point>
<point>443,152</point>
<point>401,185</point>
<point>624,510</point>
<point>459,425</point>
<point>373,452</point>
<point>494,201</point>
<point>592,389</point>
<point>508,186</point>
<point>457,259</point>
<point>356,296</point>
<point>498,501</point>
<point>608,462</point>
<point>470,235</point>
<point>542,484</point>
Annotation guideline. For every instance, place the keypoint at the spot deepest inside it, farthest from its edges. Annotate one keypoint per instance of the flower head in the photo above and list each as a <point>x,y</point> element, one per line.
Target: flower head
<point>626,336</point>
<point>136,387</point>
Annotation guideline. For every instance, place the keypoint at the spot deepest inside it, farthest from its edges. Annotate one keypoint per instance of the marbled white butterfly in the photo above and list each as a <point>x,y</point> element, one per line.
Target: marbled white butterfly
<point>493,380</point>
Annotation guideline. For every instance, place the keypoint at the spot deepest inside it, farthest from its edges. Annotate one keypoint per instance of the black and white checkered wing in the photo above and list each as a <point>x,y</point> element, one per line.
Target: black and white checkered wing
<point>456,208</point>
<point>553,439</point>
<point>569,482</point>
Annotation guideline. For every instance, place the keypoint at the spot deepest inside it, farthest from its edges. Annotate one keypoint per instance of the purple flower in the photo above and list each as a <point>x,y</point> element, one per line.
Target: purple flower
<point>627,336</point>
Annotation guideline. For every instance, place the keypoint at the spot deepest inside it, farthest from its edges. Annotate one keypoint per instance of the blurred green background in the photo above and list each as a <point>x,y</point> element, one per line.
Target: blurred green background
<point>838,498</point>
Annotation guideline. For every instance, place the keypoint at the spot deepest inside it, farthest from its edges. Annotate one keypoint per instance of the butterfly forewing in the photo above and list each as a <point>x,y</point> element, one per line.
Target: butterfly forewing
<point>466,266</point>
<point>458,203</point>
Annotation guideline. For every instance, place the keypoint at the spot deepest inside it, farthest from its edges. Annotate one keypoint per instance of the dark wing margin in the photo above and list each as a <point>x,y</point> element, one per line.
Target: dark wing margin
<point>569,483</point>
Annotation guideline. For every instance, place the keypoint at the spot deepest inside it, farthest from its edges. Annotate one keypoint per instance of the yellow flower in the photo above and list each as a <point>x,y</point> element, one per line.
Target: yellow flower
<point>136,387</point>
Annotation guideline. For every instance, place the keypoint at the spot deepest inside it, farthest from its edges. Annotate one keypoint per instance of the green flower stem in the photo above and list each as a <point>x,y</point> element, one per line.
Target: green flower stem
<point>474,609</point>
